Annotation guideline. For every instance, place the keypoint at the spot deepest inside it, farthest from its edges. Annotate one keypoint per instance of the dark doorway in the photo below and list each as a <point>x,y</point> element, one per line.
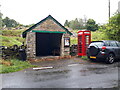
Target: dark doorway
<point>48,44</point>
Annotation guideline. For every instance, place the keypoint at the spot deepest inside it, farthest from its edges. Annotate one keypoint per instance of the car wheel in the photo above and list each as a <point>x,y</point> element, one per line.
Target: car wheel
<point>110,59</point>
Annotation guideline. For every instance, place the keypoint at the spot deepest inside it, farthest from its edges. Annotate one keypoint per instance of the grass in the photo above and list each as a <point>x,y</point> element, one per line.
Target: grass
<point>17,33</point>
<point>11,37</point>
<point>14,65</point>
<point>10,41</point>
<point>84,58</point>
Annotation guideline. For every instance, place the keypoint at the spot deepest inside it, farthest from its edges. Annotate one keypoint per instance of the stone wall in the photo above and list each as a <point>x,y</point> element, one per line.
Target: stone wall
<point>62,46</point>
<point>31,44</point>
<point>66,49</point>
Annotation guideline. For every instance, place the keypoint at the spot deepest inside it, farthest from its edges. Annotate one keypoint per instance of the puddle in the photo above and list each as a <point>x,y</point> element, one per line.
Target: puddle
<point>84,72</point>
<point>98,70</point>
<point>73,65</point>
<point>56,72</point>
<point>50,75</point>
<point>92,70</point>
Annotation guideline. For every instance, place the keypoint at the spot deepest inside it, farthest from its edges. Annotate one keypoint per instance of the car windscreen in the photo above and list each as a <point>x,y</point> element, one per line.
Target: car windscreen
<point>99,44</point>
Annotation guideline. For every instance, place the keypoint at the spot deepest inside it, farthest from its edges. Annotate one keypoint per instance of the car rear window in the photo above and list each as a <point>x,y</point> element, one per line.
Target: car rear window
<point>99,44</point>
<point>118,43</point>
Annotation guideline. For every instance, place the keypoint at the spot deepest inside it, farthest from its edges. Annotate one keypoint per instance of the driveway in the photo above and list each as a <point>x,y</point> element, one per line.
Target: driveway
<point>72,73</point>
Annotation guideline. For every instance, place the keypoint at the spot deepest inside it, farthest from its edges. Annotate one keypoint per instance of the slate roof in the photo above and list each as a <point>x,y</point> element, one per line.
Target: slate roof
<point>48,17</point>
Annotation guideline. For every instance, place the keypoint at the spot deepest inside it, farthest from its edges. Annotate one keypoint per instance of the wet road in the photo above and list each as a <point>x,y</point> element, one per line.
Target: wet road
<point>73,73</point>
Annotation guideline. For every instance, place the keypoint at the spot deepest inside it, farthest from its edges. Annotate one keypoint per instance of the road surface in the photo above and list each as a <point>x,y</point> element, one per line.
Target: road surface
<point>74,73</point>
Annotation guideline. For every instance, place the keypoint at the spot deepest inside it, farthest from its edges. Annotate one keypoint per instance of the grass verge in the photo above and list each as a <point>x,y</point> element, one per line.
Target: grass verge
<point>84,58</point>
<point>14,65</point>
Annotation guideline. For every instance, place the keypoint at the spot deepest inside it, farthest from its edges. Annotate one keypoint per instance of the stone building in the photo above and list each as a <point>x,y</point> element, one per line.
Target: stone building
<point>47,38</point>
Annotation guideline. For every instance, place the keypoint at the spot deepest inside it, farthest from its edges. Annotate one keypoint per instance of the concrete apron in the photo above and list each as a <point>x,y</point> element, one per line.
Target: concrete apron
<point>49,58</point>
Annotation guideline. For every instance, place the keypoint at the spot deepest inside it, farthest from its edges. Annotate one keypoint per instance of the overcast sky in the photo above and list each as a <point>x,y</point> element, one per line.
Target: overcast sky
<point>32,11</point>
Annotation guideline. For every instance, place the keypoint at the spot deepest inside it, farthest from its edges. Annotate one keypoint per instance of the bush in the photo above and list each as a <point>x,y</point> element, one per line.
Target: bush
<point>98,35</point>
<point>73,40</point>
<point>112,29</point>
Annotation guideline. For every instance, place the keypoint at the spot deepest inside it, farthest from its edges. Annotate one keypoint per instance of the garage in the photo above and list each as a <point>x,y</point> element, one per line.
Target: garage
<point>47,38</point>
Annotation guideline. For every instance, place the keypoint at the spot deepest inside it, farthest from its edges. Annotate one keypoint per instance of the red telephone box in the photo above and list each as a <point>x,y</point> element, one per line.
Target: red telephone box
<point>84,39</point>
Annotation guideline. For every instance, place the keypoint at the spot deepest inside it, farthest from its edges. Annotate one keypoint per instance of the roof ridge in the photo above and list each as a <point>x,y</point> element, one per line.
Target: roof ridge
<point>35,25</point>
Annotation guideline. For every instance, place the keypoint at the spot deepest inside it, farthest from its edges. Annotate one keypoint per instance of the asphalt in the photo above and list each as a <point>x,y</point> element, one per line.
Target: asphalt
<point>70,73</point>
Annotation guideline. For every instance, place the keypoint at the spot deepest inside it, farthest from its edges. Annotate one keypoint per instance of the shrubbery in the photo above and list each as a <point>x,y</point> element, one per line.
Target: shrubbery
<point>112,29</point>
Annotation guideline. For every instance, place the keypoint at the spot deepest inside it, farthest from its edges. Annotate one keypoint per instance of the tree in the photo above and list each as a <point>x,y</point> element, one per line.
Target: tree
<point>112,29</point>
<point>91,25</point>
<point>82,24</point>
<point>9,22</point>
<point>1,20</point>
<point>72,24</point>
<point>75,24</point>
<point>66,23</point>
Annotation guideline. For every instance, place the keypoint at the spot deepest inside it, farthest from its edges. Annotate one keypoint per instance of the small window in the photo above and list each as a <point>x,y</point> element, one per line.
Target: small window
<point>113,44</point>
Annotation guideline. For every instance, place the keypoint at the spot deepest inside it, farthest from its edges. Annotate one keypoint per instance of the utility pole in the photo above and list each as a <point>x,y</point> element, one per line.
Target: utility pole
<point>0,19</point>
<point>109,9</point>
<point>119,7</point>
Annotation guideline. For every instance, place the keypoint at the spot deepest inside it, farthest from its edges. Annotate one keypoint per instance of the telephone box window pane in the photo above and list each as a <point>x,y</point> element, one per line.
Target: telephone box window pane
<point>87,40</point>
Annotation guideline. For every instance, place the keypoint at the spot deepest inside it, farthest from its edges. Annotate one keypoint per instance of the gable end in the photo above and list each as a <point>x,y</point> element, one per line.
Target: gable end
<point>42,21</point>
